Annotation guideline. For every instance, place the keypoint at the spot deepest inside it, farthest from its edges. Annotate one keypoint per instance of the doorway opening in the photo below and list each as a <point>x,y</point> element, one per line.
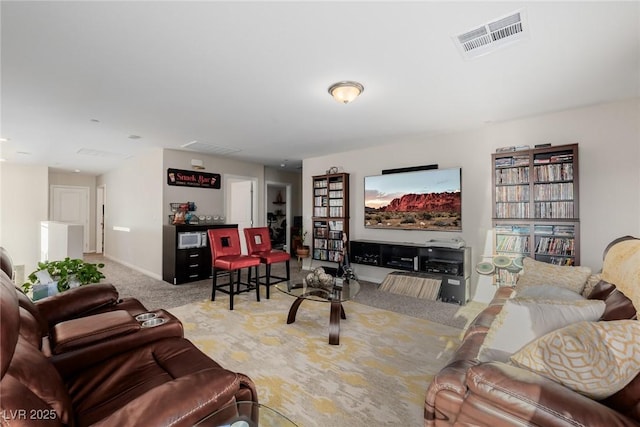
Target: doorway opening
<point>278,214</point>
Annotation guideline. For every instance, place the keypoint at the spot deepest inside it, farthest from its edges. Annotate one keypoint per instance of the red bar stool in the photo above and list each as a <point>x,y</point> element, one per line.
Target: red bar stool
<point>226,256</point>
<point>259,246</point>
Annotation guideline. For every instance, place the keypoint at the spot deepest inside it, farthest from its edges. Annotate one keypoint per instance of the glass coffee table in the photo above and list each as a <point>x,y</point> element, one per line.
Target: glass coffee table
<point>246,414</point>
<point>335,296</point>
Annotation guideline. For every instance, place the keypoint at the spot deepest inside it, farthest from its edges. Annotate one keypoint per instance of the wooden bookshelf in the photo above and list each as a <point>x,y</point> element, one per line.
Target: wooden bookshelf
<point>330,216</point>
<point>536,204</point>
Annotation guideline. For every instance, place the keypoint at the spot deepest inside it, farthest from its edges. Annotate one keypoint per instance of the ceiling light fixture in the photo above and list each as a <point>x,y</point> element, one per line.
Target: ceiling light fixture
<point>345,92</point>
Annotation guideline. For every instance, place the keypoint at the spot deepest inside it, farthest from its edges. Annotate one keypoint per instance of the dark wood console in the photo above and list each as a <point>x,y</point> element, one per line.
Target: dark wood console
<point>186,265</point>
<point>451,265</point>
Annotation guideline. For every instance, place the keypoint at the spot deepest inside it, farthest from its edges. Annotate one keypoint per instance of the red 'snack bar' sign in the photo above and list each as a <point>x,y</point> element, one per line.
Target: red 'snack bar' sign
<point>187,178</point>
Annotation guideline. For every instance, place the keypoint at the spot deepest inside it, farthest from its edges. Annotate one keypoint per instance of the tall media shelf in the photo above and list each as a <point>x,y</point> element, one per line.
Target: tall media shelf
<point>330,216</point>
<point>536,206</point>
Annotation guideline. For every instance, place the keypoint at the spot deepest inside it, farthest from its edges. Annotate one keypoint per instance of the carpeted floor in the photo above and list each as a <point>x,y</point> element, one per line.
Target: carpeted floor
<point>390,346</point>
<point>159,294</point>
<point>377,376</point>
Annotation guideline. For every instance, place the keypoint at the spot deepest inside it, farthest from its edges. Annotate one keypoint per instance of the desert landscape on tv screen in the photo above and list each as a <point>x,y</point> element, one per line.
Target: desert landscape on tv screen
<point>423,200</point>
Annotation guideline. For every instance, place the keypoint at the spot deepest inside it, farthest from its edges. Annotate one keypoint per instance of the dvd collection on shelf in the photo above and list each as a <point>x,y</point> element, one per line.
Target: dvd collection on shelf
<point>330,216</point>
<point>553,172</point>
<point>555,246</point>
<point>560,261</point>
<point>508,176</point>
<point>513,193</point>
<point>512,161</point>
<point>512,210</point>
<point>504,277</point>
<point>328,244</point>
<point>533,189</point>
<point>512,244</point>
<point>557,230</point>
<point>553,158</point>
<point>513,228</point>
<point>554,209</point>
<point>561,191</point>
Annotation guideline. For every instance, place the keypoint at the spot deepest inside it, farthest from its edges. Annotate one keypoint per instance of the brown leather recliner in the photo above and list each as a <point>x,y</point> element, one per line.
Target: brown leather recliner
<point>6,264</point>
<point>166,382</point>
<point>79,302</point>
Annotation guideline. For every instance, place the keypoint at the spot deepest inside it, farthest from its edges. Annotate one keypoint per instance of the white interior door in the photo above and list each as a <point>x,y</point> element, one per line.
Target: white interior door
<point>71,205</point>
<point>241,204</point>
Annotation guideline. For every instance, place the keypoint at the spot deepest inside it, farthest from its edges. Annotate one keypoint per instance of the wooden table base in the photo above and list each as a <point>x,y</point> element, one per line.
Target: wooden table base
<point>337,312</point>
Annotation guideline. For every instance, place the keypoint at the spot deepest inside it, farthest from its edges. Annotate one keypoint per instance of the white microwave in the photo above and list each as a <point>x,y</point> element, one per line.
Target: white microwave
<point>192,239</point>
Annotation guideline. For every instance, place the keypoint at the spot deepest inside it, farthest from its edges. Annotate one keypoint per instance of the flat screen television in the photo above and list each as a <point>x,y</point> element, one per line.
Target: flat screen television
<point>419,200</point>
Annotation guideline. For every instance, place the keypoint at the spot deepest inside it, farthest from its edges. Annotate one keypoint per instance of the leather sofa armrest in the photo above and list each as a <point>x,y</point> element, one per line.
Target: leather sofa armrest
<point>85,331</point>
<point>248,391</point>
<point>75,302</point>
<point>124,337</point>
<point>501,394</point>
<point>448,388</point>
<point>187,400</point>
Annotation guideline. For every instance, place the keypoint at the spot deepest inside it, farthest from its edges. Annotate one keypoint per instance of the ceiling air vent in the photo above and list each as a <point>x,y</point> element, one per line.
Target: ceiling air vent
<point>203,147</point>
<point>100,153</point>
<point>492,35</point>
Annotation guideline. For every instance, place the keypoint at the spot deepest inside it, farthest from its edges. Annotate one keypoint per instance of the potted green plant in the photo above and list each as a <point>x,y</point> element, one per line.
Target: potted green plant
<point>52,276</point>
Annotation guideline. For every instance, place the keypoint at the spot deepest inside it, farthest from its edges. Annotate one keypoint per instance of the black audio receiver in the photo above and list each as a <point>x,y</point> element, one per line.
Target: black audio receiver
<point>452,268</point>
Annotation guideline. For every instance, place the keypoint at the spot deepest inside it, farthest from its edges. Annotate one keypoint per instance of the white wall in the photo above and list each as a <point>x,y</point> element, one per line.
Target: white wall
<point>207,200</point>
<point>609,138</point>
<point>134,202</point>
<point>24,196</point>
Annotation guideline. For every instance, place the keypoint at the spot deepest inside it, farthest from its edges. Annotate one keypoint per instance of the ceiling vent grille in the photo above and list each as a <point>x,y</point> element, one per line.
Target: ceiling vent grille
<point>203,147</point>
<point>492,35</point>
<point>100,153</point>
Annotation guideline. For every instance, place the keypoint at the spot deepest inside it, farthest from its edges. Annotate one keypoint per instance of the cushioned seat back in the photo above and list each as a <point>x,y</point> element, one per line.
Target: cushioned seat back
<point>30,307</point>
<point>258,239</point>
<point>6,264</point>
<point>622,268</point>
<point>224,242</point>
<point>9,322</point>
<point>620,289</point>
<point>29,384</point>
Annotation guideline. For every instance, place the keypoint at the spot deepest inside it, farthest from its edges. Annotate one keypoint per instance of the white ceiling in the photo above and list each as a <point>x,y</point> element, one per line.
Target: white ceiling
<point>253,76</point>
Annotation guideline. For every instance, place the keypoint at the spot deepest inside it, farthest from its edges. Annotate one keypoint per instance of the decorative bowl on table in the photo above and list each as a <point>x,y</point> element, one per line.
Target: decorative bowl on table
<point>320,279</point>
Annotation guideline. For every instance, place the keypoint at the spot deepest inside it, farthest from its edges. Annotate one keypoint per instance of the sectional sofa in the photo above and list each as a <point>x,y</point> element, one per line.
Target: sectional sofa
<point>575,364</point>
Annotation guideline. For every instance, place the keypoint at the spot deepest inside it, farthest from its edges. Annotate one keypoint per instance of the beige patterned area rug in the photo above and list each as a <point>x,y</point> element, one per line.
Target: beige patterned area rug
<point>377,376</point>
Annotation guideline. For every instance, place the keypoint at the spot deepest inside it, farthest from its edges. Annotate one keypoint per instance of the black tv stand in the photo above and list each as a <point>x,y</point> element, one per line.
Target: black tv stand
<point>451,265</point>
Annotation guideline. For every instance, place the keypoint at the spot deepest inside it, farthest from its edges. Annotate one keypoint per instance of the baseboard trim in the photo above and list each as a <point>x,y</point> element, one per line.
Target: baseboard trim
<point>134,267</point>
